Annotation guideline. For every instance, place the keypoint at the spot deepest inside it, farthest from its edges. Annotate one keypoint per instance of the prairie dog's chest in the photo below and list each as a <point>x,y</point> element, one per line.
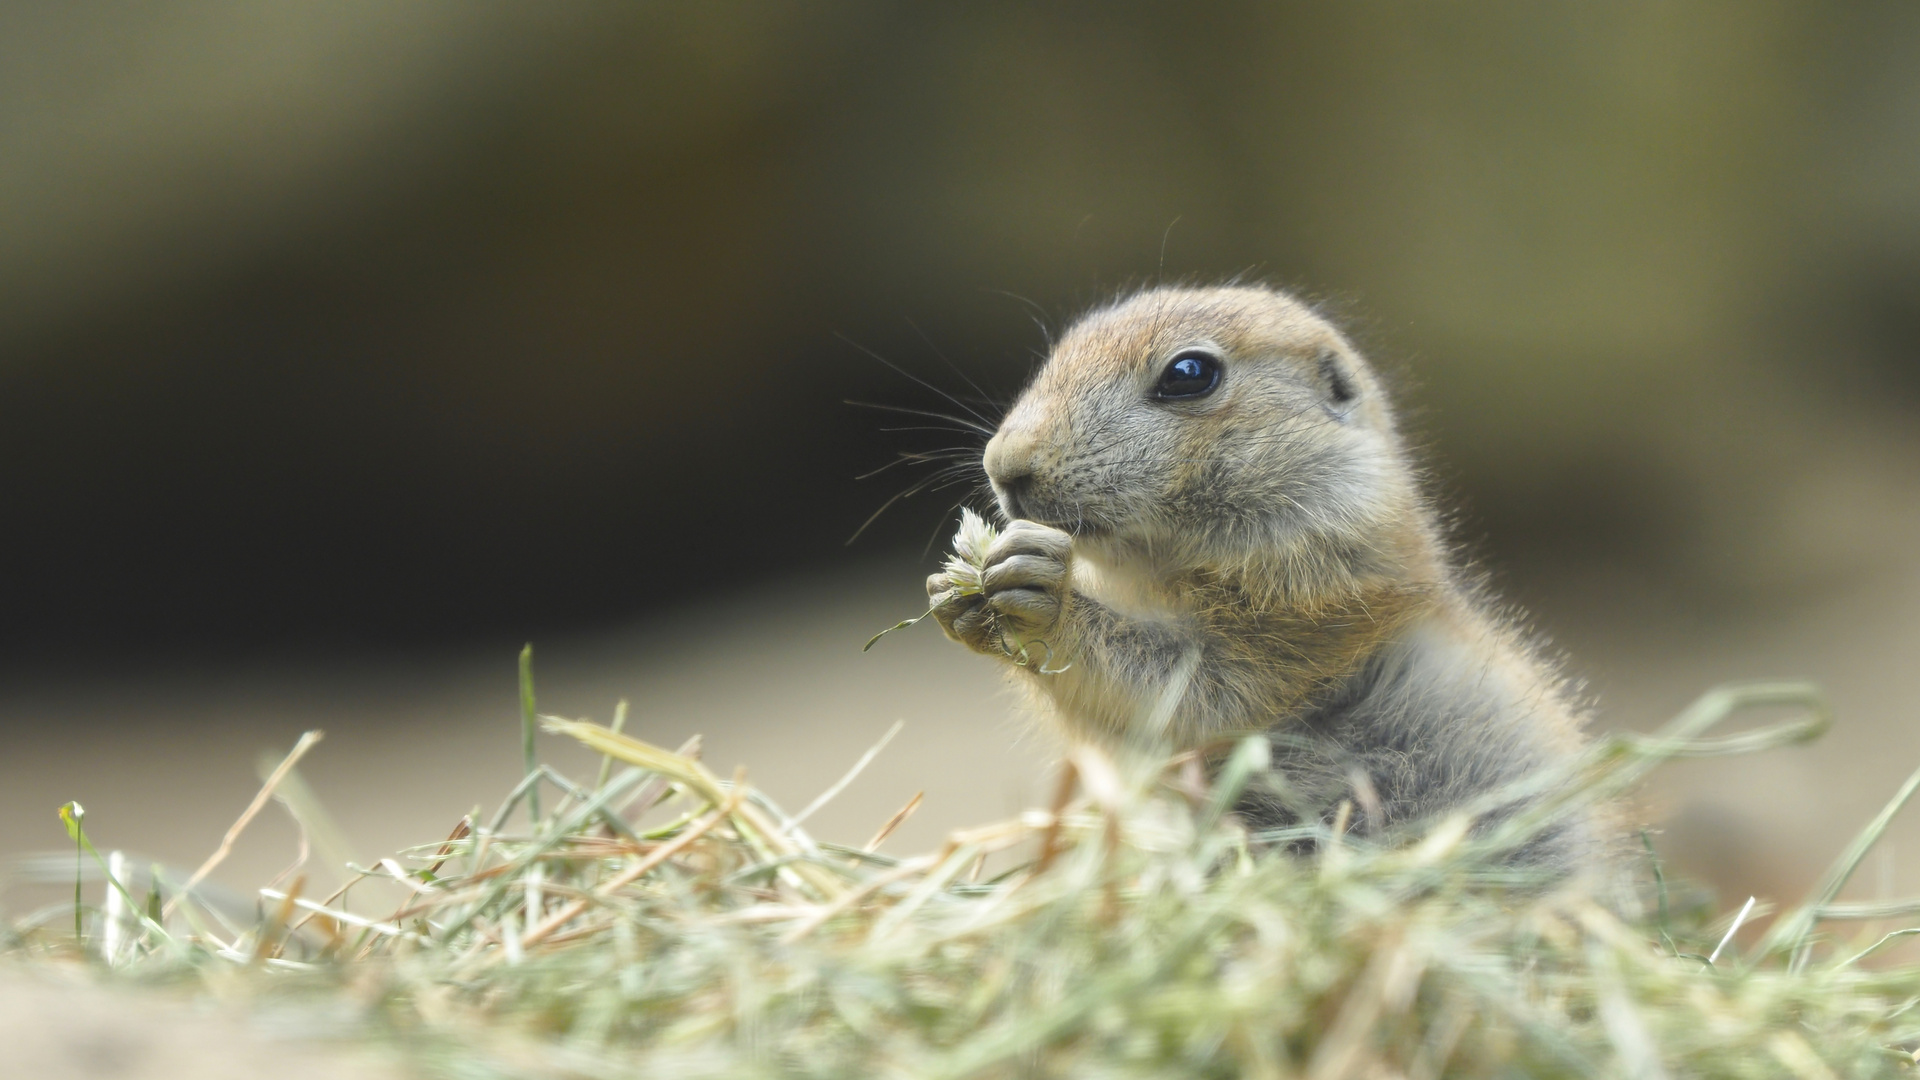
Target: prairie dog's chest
<point>1128,590</point>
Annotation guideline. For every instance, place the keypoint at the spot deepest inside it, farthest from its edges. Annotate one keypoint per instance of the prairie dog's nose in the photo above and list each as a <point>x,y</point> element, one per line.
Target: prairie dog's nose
<point>1009,457</point>
<point>1009,461</point>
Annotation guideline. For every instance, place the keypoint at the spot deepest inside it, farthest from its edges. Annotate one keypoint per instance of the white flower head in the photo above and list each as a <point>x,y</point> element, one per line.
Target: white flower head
<point>969,559</point>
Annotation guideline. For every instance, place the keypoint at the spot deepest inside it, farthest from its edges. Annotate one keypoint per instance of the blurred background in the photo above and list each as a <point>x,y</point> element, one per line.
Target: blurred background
<point>345,348</point>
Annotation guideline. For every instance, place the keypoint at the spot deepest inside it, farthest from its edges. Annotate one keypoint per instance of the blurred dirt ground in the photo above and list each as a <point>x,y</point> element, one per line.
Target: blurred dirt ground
<point>775,682</point>
<point>58,1024</point>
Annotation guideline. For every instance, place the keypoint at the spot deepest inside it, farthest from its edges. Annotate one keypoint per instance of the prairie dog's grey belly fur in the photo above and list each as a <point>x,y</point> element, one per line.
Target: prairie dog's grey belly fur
<point>1214,528</point>
<point>1443,715</point>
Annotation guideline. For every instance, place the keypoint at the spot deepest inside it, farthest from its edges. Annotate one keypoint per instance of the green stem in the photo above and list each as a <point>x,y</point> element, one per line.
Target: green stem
<point>70,815</point>
<point>526,732</point>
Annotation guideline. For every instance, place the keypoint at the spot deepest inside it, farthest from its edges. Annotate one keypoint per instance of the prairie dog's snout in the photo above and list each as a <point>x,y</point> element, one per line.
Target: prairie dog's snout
<point>1010,461</point>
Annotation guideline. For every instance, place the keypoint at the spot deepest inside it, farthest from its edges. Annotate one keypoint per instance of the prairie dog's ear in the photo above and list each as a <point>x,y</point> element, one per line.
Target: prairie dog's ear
<point>1335,381</point>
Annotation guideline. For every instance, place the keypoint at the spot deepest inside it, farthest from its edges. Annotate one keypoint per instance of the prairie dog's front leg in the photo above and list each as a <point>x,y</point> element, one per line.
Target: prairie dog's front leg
<point>1024,596</point>
<point>1104,672</point>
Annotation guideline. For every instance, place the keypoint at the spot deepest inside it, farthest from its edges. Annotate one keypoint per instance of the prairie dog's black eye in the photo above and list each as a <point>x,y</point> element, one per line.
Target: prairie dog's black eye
<point>1192,374</point>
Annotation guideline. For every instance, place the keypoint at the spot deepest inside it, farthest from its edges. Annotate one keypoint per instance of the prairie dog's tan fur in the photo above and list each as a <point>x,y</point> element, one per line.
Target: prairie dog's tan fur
<point>1257,557</point>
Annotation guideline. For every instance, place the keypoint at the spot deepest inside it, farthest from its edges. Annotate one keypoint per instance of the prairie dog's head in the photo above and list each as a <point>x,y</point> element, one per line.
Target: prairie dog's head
<point>1205,428</point>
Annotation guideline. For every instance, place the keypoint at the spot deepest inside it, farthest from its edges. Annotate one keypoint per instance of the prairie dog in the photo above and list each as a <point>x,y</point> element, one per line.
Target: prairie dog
<point>1213,526</point>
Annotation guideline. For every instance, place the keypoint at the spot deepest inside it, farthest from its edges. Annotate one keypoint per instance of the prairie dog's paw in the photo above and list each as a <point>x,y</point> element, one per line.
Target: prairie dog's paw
<point>1026,581</point>
<point>1023,593</point>
<point>962,613</point>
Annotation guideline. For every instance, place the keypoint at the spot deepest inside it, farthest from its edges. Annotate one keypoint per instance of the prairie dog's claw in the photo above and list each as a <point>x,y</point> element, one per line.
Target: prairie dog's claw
<point>964,618</point>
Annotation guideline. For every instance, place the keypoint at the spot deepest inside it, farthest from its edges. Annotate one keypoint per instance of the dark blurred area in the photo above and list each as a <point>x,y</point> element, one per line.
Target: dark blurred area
<point>360,327</point>
<point>345,347</point>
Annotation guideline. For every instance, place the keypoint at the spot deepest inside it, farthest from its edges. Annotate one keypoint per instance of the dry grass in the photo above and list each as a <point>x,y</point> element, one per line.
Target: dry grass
<point>660,921</point>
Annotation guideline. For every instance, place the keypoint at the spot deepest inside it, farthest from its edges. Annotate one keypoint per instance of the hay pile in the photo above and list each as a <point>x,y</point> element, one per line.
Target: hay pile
<point>660,921</point>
